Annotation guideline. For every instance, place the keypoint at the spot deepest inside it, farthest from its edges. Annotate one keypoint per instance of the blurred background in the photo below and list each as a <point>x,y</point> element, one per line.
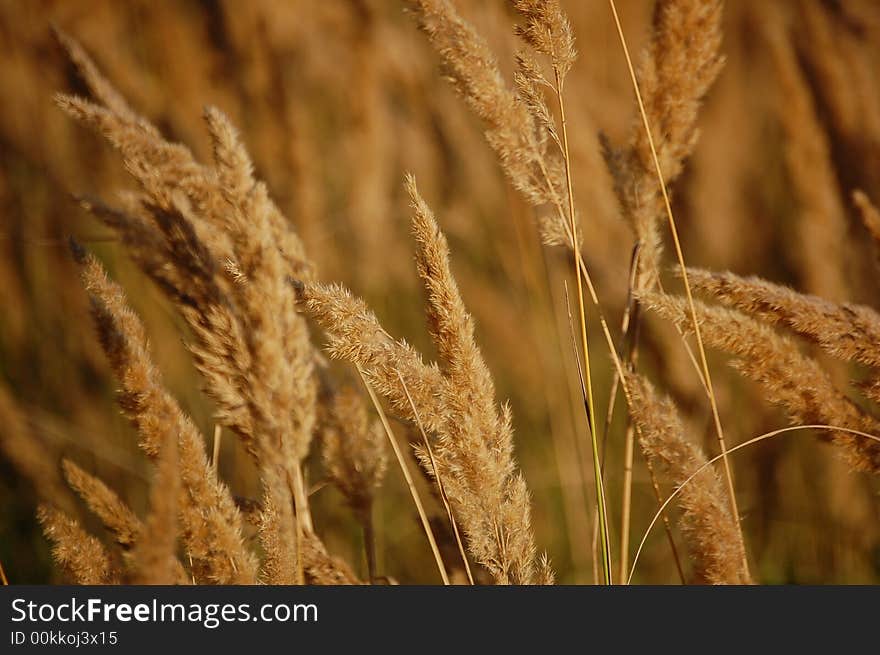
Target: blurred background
<point>336,100</point>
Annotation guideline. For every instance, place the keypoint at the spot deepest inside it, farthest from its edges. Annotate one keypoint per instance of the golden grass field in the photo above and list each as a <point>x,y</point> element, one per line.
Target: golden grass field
<point>366,291</point>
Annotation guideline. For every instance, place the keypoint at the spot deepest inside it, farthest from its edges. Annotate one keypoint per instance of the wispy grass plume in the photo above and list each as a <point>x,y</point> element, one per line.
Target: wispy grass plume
<point>82,556</point>
<point>787,377</point>
<point>714,540</point>
<point>473,443</point>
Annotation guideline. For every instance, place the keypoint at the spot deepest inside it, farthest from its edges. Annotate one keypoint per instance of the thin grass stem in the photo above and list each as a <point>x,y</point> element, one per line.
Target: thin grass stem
<point>401,461</point>
<point>687,287</point>
<point>439,479</point>
<point>710,462</point>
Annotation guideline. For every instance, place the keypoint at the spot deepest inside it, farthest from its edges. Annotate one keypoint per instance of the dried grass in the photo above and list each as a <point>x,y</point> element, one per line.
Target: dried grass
<point>245,290</point>
<point>714,539</point>
<point>473,443</point>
